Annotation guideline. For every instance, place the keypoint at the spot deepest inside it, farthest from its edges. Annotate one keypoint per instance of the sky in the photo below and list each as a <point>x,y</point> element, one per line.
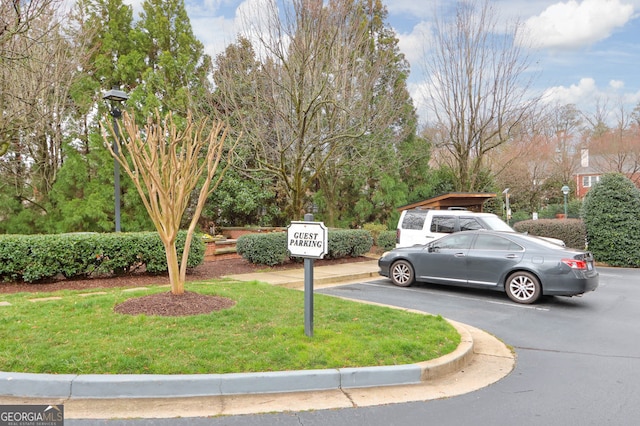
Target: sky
<point>587,52</point>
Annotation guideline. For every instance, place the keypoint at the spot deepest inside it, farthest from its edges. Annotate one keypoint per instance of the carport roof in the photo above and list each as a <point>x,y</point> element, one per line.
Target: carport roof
<point>470,200</point>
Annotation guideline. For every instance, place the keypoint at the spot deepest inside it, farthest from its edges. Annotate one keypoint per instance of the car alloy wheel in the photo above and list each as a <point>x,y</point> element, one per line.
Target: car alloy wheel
<point>523,287</point>
<point>402,273</point>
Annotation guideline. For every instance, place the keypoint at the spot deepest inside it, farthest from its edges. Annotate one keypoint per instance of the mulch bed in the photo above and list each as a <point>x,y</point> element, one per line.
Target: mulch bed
<point>171,305</point>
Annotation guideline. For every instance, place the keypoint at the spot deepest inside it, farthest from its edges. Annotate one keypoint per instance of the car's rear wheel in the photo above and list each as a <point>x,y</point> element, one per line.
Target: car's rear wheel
<point>402,273</point>
<point>523,287</point>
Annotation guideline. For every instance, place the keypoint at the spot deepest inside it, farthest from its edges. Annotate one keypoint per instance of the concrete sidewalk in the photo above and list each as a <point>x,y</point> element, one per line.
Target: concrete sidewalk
<point>479,361</point>
<point>322,275</point>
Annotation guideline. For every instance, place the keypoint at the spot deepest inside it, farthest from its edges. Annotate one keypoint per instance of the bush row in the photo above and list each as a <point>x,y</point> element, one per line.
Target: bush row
<point>271,249</point>
<point>571,231</point>
<point>31,258</point>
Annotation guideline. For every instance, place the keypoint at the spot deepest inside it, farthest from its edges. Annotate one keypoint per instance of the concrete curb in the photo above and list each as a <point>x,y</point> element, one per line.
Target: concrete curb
<point>94,386</point>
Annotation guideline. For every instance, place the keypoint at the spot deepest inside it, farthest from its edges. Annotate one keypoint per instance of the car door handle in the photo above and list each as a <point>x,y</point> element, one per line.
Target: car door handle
<point>511,256</point>
<point>459,255</point>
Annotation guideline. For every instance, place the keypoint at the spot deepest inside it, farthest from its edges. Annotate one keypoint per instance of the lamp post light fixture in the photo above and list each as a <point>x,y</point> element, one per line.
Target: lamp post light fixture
<point>116,96</point>
<point>565,192</point>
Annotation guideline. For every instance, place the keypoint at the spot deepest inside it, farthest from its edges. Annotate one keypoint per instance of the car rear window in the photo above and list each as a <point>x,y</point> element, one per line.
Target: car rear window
<point>414,220</point>
<point>494,242</point>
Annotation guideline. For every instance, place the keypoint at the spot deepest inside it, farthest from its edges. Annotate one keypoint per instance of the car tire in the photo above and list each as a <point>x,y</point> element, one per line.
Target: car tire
<point>402,273</point>
<point>523,287</point>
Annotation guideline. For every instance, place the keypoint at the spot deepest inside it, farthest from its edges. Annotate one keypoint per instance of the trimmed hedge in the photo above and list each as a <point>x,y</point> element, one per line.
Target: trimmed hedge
<point>349,243</point>
<point>571,231</point>
<point>611,212</point>
<point>31,258</point>
<point>387,240</point>
<point>271,249</point>
<point>263,249</point>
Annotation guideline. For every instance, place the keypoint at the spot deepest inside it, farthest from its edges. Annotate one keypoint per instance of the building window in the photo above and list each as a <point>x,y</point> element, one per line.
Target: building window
<point>589,181</point>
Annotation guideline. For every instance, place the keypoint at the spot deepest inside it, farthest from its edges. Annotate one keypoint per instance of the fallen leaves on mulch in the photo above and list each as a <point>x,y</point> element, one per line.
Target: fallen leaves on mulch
<point>171,305</point>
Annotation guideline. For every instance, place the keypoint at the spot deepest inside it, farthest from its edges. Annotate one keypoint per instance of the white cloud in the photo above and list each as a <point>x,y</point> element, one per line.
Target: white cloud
<point>616,84</point>
<point>414,44</point>
<point>574,94</point>
<point>574,24</point>
<point>216,33</point>
<point>215,30</point>
<point>587,95</point>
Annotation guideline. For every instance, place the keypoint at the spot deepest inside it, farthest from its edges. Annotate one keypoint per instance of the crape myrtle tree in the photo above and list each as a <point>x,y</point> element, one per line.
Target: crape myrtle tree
<point>478,89</point>
<point>166,162</point>
<point>315,88</point>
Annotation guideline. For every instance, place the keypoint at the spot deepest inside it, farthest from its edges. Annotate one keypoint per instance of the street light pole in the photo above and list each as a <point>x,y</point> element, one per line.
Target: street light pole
<point>565,192</point>
<point>507,208</point>
<point>116,95</point>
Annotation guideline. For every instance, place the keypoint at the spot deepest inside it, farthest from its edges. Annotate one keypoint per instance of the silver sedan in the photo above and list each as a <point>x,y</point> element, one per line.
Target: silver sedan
<point>525,267</point>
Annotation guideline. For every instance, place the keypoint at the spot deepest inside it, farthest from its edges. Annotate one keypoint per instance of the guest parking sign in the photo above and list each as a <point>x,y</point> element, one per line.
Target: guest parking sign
<point>307,239</point>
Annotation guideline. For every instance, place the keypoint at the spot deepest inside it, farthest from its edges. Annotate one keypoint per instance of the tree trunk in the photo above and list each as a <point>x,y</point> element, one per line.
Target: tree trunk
<point>177,284</point>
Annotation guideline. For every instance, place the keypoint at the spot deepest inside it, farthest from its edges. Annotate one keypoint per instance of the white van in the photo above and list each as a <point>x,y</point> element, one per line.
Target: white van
<point>421,226</point>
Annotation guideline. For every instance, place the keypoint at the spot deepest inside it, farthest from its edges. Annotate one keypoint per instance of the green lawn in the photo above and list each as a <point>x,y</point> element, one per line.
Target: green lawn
<point>264,331</point>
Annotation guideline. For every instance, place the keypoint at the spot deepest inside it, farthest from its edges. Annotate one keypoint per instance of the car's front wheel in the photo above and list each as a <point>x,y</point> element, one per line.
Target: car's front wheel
<point>402,273</point>
<point>523,287</point>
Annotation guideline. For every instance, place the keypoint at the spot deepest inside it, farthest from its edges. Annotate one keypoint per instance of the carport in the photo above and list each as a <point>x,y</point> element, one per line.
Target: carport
<point>469,200</point>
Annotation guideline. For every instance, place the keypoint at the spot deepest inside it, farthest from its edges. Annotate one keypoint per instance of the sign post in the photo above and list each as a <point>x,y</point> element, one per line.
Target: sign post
<point>309,240</point>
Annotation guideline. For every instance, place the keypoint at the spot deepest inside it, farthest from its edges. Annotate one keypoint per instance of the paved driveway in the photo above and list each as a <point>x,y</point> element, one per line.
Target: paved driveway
<point>578,360</point>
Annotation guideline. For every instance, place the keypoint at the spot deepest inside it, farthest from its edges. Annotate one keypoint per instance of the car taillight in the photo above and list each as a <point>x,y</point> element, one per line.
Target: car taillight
<point>397,236</point>
<point>575,264</point>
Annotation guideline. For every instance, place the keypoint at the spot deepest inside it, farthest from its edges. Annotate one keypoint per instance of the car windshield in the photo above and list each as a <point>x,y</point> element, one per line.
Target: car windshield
<point>496,224</point>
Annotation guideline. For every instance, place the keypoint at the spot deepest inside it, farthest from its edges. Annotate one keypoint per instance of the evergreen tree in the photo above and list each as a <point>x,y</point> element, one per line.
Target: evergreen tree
<point>176,71</point>
<point>611,213</point>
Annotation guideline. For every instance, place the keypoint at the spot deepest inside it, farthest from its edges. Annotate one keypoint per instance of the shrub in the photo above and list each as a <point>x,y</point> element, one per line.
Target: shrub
<point>351,242</point>
<point>271,249</point>
<point>571,231</point>
<point>375,229</point>
<point>387,240</point>
<point>264,249</point>
<point>611,213</point>
<point>36,257</point>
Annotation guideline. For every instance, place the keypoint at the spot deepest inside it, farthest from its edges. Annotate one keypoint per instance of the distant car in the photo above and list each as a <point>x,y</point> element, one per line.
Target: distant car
<point>523,266</point>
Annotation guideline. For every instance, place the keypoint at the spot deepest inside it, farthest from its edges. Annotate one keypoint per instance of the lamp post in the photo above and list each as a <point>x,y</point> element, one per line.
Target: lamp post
<point>565,192</point>
<point>507,208</point>
<point>116,96</point>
